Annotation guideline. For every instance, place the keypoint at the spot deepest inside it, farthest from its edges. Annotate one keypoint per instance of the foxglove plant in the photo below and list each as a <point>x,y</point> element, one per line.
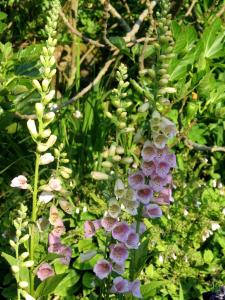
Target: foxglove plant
<point>44,191</point>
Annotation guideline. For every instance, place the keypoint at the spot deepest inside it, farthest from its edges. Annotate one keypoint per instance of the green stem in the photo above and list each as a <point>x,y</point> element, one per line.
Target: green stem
<point>34,217</point>
<point>18,274</point>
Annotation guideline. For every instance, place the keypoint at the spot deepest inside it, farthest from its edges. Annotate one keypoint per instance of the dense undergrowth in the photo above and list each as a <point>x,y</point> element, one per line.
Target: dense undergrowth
<point>82,100</point>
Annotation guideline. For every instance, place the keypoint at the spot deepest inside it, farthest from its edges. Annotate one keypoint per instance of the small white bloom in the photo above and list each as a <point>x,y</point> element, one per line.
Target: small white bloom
<point>85,209</point>
<point>215,226</point>
<point>77,114</point>
<point>19,182</point>
<point>32,128</point>
<point>77,210</point>
<point>55,184</point>
<point>161,259</point>
<point>220,185</point>
<point>214,183</point>
<point>119,188</point>
<point>223,211</point>
<point>185,212</point>
<point>46,159</point>
<point>45,197</point>
<point>174,256</point>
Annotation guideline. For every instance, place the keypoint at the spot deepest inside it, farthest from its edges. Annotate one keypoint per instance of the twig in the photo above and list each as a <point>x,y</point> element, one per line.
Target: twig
<point>190,8</point>
<point>204,148</point>
<point>76,32</point>
<point>116,15</point>
<point>130,35</point>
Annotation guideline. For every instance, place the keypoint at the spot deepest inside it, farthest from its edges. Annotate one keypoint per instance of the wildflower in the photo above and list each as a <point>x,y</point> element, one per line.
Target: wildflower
<point>19,182</point>
<point>153,211</point>
<point>89,229</point>
<point>66,206</point>
<point>136,179</point>
<point>54,215</point>
<point>118,253</point>
<point>162,168</point>
<point>164,197</point>
<point>102,268</point>
<point>120,285</point>
<point>144,193</point>
<point>46,159</point>
<point>132,240</point>
<point>157,182</point>
<point>66,252</point>
<point>45,271</point>
<point>215,226</point>
<point>114,208</point>
<point>32,128</point>
<point>46,197</point>
<point>108,223</point>
<point>118,268</point>
<point>131,206</point>
<point>159,140</point>
<point>55,184</point>
<point>59,228</point>
<point>142,227</point>
<point>121,231</point>
<point>168,127</point>
<point>119,188</point>
<point>148,168</point>
<point>148,152</point>
<point>135,288</point>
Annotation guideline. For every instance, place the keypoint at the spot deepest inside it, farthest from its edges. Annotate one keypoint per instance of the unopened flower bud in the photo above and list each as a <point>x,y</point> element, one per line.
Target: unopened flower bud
<point>16,224</point>
<point>116,158</point>
<point>49,117</point>
<point>32,128</point>
<point>24,255</point>
<point>24,238</point>
<point>99,175</point>
<point>127,160</point>
<point>23,284</point>
<point>37,85</point>
<point>39,109</point>
<point>64,174</point>
<point>119,150</point>
<point>144,107</point>
<point>107,164</point>
<point>49,96</point>
<point>28,263</point>
<point>108,114</point>
<point>15,269</point>
<point>46,133</point>
<point>42,147</point>
<point>45,84</point>
<point>18,232</point>
<point>112,150</point>
<point>122,125</point>
<point>51,141</point>
<point>12,244</point>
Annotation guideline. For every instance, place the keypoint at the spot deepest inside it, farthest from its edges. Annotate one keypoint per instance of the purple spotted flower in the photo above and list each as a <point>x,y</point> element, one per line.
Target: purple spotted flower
<point>132,240</point>
<point>152,211</point>
<point>157,182</point>
<point>90,228</point>
<point>118,253</point>
<point>144,193</point>
<point>164,197</point>
<point>102,269</point>
<point>59,228</point>
<point>121,231</point>
<point>66,252</point>
<point>142,227</point>
<point>120,285</point>
<point>108,223</point>
<point>148,152</point>
<point>171,159</point>
<point>162,168</point>
<point>148,167</point>
<point>136,179</point>
<point>135,288</point>
<point>45,271</point>
<point>118,268</point>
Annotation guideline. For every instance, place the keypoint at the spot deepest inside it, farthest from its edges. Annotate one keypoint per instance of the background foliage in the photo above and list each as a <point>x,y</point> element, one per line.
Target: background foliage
<point>185,255</point>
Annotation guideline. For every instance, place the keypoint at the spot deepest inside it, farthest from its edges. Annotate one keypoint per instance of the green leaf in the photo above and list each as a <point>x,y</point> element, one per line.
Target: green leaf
<point>68,281</point>
<point>88,280</point>
<point>140,257</point>
<point>181,293</point>
<point>208,256</point>
<point>149,290</point>
<point>49,285</point>
<point>120,44</point>
<point>10,259</point>
<point>197,132</point>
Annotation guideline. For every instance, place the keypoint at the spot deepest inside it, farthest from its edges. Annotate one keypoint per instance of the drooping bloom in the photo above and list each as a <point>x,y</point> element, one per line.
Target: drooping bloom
<point>66,252</point>
<point>148,168</point>
<point>120,285</point>
<point>144,193</point>
<point>89,229</point>
<point>164,197</point>
<point>45,271</point>
<point>102,269</point>
<point>157,182</point>
<point>159,140</point>
<point>132,240</point>
<point>46,159</point>
<point>54,215</point>
<point>153,211</point>
<point>66,206</point>
<point>108,223</point>
<point>119,188</point>
<point>135,288</point>
<point>46,197</point>
<point>162,168</point>
<point>118,268</point>
<point>121,231</point>
<point>136,179</point>
<point>142,227</point>
<point>59,228</point>
<point>19,182</point>
<point>114,208</point>
<point>131,206</point>
<point>148,152</point>
<point>118,253</point>
<point>55,184</point>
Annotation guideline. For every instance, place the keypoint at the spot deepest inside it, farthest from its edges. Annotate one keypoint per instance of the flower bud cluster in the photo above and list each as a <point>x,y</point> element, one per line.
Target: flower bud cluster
<point>21,224</point>
<point>120,103</point>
